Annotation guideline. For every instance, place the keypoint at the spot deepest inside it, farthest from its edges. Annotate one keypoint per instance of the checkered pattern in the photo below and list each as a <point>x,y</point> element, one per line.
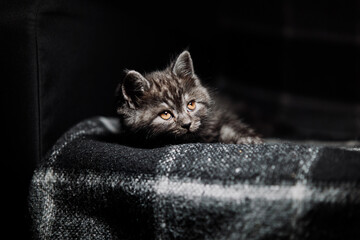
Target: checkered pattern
<point>91,187</point>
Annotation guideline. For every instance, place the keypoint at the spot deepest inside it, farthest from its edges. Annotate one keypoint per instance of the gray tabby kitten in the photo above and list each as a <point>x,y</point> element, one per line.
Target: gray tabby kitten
<point>172,106</point>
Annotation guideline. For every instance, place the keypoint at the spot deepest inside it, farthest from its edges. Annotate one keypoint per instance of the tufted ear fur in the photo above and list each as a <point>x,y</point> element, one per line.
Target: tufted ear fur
<point>133,87</point>
<point>183,66</point>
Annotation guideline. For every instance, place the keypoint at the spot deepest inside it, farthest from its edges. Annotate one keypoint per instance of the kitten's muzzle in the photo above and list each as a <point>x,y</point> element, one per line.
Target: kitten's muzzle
<point>186,125</point>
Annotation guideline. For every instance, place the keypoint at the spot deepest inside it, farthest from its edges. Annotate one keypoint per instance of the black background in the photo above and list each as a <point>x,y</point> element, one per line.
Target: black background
<point>291,68</point>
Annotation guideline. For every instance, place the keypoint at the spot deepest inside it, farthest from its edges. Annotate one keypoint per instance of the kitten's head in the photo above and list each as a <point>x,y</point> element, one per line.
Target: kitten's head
<point>168,103</point>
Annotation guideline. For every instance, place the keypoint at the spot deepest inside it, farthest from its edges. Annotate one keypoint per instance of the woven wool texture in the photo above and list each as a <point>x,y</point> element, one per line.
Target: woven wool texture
<point>91,187</point>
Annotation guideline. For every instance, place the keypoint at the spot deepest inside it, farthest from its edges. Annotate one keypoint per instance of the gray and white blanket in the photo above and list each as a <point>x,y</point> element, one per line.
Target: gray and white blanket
<point>91,187</point>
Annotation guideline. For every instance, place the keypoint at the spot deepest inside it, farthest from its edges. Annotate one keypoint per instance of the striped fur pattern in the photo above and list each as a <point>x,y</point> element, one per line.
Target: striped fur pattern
<point>142,100</point>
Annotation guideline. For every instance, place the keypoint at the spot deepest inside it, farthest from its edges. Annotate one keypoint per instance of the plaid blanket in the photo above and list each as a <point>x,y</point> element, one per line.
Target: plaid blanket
<point>91,187</point>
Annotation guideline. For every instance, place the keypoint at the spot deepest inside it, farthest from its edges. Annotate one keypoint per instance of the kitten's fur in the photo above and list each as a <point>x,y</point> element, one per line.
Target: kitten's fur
<point>142,99</point>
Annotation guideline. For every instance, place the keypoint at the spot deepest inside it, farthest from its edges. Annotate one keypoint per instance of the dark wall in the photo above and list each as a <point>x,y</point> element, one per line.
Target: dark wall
<point>301,49</point>
<point>19,112</point>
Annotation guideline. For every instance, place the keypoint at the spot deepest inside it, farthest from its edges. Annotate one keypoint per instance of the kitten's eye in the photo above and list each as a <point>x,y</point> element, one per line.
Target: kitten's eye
<point>165,115</point>
<point>191,105</point>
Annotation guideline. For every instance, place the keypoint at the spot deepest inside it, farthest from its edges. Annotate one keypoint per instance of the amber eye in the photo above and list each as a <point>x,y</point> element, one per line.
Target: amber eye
<point>191,105</point>
<point>165,115</point>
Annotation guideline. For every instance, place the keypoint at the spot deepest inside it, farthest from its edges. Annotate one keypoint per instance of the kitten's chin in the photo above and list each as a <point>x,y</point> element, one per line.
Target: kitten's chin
<point>182,132</point>
<point>195,127</point>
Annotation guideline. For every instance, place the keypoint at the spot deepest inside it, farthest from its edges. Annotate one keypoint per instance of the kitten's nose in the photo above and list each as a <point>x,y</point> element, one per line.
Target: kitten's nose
<point>186,125</point>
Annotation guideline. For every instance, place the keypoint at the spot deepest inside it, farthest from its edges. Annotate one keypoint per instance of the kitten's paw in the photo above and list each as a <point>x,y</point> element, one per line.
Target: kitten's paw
<point>244,135</point>
<point>249,140</point>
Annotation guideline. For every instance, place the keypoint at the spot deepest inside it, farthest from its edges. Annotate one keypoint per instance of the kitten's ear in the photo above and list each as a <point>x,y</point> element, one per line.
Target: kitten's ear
<point>133,88</point>
<point>183,66</point>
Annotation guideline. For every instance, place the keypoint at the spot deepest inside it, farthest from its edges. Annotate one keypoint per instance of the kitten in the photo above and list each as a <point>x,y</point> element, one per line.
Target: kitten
<point>172,106</point>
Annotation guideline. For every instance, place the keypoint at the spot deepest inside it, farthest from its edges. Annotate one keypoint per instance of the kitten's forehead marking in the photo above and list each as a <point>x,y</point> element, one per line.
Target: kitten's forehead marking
<point>169,89</point>
<point>169,103</point>
<point>186,97</point>
<point>172,95</point>
<point>165,105</point>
